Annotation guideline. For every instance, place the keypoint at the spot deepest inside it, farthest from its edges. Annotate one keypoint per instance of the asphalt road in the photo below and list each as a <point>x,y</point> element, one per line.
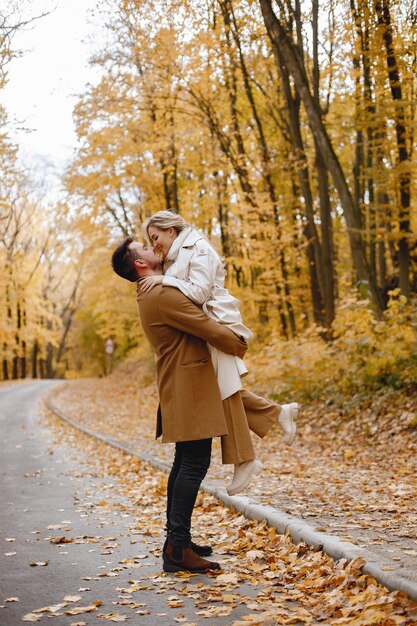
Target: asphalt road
<point>45,482</point>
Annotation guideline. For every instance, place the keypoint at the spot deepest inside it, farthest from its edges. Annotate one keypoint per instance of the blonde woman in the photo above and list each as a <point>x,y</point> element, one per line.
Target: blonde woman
<point>193,266</point>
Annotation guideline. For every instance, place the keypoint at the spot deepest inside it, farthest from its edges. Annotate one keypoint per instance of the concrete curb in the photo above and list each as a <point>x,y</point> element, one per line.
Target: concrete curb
<point>297,528</point>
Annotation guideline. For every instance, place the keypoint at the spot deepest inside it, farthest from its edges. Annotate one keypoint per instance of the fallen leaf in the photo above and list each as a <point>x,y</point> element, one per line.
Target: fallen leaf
<point>255,554</point>
<point>11,599</point>
<point>38,563</point>
<point>55,526</point>
<point>72,598</point>
<point>227,578</point>
<point>31,617</point>
<point>221,611</point>
<point>83,609</point>
<point>51,609</point>
<point>175,604</point>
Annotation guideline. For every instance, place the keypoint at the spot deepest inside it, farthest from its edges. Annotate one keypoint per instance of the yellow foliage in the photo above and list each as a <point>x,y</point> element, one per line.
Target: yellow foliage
<point>365,353</point>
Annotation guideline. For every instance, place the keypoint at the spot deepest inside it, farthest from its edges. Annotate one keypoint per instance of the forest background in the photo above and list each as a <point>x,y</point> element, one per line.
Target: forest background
<point>284,131</point>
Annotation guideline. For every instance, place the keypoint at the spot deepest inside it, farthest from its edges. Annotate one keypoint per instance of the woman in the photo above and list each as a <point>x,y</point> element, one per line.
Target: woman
<point>193,266</point>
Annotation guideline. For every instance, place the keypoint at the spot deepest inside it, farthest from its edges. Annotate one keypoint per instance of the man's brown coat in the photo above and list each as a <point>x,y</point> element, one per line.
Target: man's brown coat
<point>190,402</point>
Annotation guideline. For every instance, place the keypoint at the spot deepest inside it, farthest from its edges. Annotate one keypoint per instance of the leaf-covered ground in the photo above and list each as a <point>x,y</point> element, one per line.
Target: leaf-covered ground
<point>265,580</point>
<point>352,471</point>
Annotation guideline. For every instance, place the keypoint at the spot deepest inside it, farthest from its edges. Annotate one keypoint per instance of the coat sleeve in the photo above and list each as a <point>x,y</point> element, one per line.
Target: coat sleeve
<point>179,312</point>
<point>201,276</point>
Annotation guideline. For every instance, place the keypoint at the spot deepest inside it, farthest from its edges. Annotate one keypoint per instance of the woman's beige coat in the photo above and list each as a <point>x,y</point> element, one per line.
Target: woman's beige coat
<point>190,402</point>
<point>194,267</point>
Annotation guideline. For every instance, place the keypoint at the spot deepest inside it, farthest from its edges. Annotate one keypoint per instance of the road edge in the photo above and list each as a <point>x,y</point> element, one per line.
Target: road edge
<point>297,528</point>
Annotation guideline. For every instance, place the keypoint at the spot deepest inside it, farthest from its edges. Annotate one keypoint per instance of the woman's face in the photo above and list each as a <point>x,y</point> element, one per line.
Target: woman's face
<point>161,239</point>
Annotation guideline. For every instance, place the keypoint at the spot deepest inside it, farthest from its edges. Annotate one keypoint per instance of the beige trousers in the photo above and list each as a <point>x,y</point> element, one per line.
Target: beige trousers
<point>246,412</point>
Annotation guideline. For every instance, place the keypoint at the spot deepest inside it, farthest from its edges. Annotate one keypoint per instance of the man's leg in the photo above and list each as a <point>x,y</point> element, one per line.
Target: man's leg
<point>193,462</point>
<point>172,478</point>
<point>202,550</point>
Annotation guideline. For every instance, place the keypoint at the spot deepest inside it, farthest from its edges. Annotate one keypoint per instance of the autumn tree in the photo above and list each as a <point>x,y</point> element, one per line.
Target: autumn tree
<point>273,127</point>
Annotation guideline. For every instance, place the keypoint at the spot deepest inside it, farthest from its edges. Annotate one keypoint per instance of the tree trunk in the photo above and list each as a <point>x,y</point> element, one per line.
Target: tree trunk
<point>281,40</point>
<point>313,249</point>
<point>384,21</point>
<point>23,361</point>
<point>15,367</point>
<point>5,366</point>
<point>49,370</point>
<point>35,352</point>
<point>382,211</point>
<point>325,205</point>
<point>229,19</point>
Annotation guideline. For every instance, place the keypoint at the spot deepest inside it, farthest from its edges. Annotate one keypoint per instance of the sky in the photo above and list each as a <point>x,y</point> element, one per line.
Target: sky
<point>45,81</point>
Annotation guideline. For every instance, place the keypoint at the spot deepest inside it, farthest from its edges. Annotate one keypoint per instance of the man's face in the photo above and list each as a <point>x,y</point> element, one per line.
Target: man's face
<point>147,255</point>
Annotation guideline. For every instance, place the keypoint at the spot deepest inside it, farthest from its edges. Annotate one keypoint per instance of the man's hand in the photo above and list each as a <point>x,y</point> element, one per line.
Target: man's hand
<point>148,283</point>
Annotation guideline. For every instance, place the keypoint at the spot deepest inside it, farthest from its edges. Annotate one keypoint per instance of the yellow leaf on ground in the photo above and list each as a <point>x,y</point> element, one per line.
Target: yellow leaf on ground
<point>227,578</point>
<point>55,526</point>
<point>81,609</point>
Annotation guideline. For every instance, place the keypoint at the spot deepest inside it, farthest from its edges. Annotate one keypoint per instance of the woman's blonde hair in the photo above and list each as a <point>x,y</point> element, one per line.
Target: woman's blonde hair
<point>164,220</point>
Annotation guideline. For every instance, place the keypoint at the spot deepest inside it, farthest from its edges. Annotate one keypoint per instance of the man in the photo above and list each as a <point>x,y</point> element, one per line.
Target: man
<point>191,411</point>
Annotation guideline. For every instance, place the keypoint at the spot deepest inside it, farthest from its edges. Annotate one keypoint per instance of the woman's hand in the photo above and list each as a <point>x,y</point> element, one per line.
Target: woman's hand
<point>148,283</point>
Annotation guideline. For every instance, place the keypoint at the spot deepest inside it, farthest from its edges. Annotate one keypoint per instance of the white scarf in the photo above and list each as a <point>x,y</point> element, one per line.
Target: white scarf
<point>177,244</point>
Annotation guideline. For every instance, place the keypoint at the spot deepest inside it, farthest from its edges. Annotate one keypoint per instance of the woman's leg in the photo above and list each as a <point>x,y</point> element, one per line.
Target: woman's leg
<point>193,465</point>
<point>237,446</point>
<point>245,411</point>
<point>261,413</point>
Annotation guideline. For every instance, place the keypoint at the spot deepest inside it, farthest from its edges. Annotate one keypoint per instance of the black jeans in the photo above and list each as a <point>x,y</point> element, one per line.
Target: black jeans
<point>191,462</point>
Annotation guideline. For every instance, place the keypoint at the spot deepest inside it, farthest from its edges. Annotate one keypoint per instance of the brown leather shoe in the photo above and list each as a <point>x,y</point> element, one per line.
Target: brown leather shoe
<point>201,550</point>
<point>195,547</point>
<point>177,559</point>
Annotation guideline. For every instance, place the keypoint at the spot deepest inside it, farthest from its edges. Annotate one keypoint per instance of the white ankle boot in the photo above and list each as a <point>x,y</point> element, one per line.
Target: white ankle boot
<point>286,420</point>
<point>243,474</point>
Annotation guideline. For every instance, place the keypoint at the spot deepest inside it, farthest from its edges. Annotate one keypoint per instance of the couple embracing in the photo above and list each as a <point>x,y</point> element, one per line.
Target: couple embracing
<point>195,328</point>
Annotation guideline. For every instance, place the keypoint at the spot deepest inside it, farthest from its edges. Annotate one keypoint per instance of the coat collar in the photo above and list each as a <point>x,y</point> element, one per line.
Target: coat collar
<point>192,237</point>
<point>187,237</point>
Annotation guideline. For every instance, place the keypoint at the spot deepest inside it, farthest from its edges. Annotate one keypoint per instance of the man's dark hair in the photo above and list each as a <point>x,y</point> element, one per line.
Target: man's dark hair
<point>123,260</point>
